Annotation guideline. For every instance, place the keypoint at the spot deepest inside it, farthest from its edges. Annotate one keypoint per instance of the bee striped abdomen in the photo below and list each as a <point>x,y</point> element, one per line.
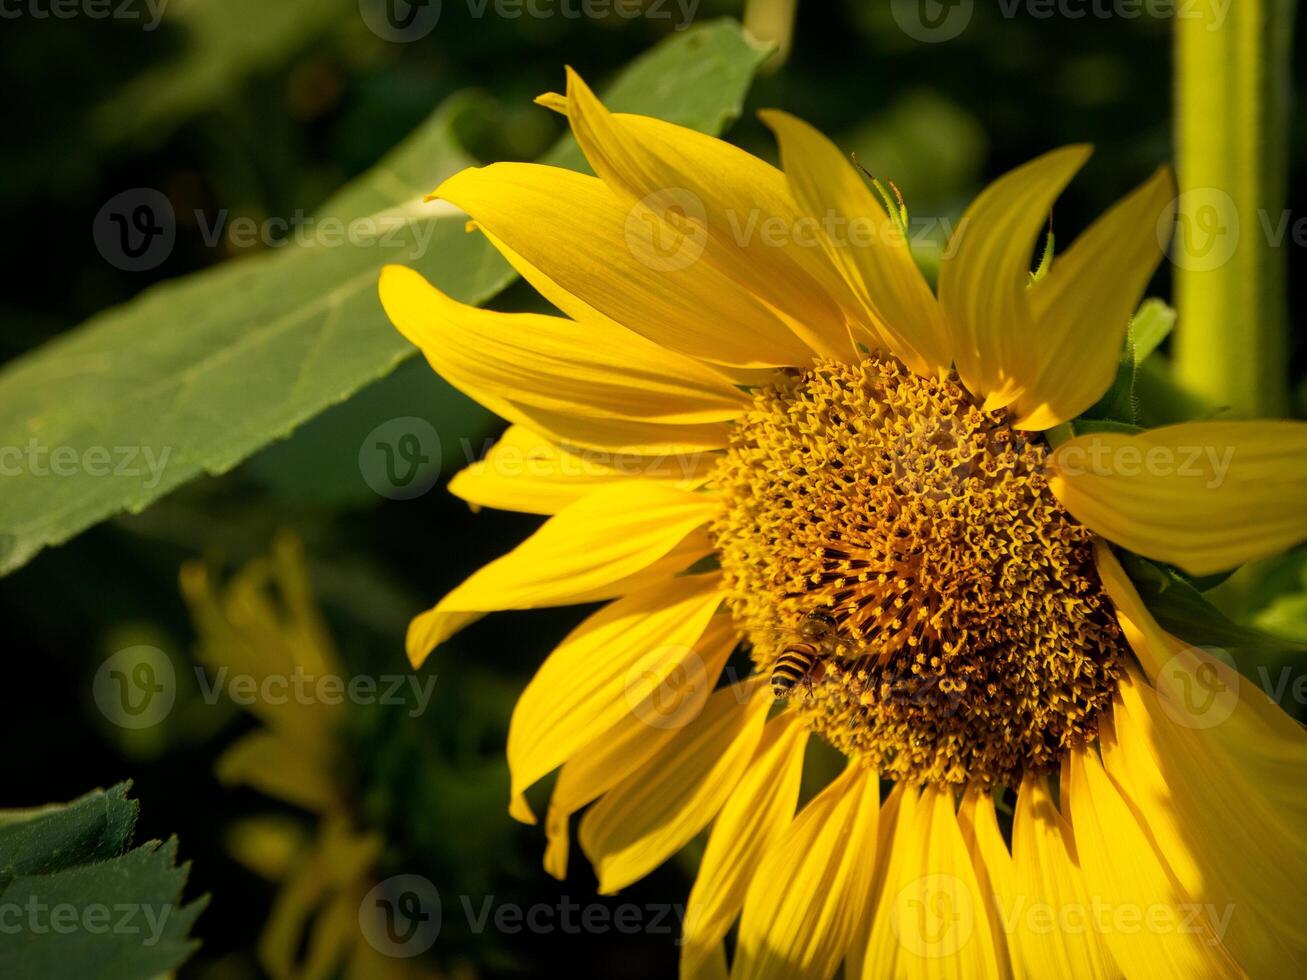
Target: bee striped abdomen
<point>795,663</point>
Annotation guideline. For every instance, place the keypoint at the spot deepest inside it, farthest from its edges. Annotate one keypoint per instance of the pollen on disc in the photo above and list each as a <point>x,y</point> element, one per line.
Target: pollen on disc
<point>975,640</point>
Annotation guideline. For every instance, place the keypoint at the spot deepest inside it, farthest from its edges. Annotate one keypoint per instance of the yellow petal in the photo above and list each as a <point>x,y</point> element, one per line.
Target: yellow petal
<point>593,384</point>
<point>296,773</point>
<point>864,244</point>
<point>889,829</point>
<point>735,202</point>
<point>812,889</point>
<point>1206,496</point>
<point>590,550</point>
<point>315,913</point>
<point>652,720</point>
<point>1050,919</point>
<point>1203,691</point>
<point>553,363</point>
<point>1145,917</point>
<point>978,822</point>
<point>758,812</point>
<point>634,265</point>
<point>655,811</point>
<point>931,918</point>
<point>601,668</point>
<point>620,436</point>
<point>583,313</point>
<point>526,472</point>
<point>1082,307</point>
<point>1241,857</point>
<point>985,270</point>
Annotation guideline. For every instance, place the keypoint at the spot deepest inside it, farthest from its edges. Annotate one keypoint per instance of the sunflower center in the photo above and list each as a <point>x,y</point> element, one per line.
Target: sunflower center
<point>898,550</point>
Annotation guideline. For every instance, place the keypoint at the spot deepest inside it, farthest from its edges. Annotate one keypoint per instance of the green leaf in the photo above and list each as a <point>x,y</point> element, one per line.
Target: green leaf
<point>1083,426</point>
<point>1181,609</point>
<point>196,374</point>
<point>320,462</point>
<point>80,904</point>
<point>1272,594</point>
<point>1151,324</point>
<point>94,827</point>
<point>1148,328</point>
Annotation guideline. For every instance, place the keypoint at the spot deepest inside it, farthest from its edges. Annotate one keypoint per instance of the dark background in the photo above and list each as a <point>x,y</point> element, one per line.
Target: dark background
<point>262,122</point>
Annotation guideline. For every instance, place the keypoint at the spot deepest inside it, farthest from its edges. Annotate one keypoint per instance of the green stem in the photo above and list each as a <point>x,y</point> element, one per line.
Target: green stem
<point>773,21</point>
<point>1232,125</point>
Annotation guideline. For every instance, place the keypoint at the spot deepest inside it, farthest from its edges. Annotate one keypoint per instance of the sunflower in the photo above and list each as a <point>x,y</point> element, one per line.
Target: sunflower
<point>754,409</point>
<point>264,624</point>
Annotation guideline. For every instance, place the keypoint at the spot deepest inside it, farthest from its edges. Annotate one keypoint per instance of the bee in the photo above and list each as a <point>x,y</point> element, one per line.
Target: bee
<point>811,644</point>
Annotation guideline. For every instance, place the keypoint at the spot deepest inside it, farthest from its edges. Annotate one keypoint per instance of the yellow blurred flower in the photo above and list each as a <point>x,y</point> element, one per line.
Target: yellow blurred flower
<point>754,410</point>
<point>264,628</point>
